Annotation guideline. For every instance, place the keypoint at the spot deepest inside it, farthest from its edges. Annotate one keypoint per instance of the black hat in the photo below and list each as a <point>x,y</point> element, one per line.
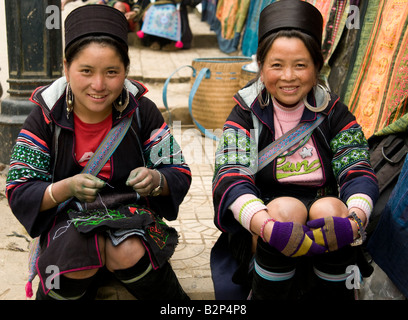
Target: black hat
<point>291,14</point>
<point>95,20</point>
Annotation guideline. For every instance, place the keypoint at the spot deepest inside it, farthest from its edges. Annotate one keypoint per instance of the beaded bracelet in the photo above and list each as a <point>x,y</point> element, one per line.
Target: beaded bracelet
<point>50,193</point>
<point>263,227</point>
<point>360,229</point>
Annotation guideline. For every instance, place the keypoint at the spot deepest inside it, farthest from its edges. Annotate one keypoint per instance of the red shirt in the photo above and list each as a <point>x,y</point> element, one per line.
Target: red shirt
<point>88,137</point>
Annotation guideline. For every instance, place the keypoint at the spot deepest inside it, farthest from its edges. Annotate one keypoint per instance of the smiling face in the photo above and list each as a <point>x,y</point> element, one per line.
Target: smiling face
<point>288,71</point>
<point>96,76</point>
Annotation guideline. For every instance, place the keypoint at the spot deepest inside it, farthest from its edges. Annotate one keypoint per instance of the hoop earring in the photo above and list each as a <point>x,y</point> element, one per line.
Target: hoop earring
<point>69,98</point>
<point>322,97</point>
<point>263,103</point>
<point>121,105</point>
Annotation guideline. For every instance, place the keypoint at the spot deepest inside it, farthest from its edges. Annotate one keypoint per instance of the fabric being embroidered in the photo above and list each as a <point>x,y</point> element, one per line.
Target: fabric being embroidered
<point>126,220</point>
<point>120,235</point>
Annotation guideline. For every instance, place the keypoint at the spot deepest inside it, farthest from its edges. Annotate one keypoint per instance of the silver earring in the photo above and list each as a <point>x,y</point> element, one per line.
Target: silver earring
<point>263,103</point>
<point>322,97</point>
<point>69,98</point>
<point>121,105</point>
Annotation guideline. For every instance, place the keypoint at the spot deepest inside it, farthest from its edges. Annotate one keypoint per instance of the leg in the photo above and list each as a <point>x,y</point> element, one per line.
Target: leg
<point>73,285</point>
<point>273,276</point>
<point>287,209</point>
<point>125,255</point>
<point>331,276</point>
<point>328,206</point>
<point>69,288</point>
<point>130,263</point>
<point>284,209</point>
<point>330,268</point>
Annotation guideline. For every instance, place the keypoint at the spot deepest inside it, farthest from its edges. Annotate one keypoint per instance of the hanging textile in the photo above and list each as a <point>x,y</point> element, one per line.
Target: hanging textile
<point>335,13</point>
<point>250,38</point>
<point>209,15</point>
<point>339,61</point>
<point>377,88</point>
<point>232,16</point>
<point>324,8</point>
<point>208,11</point>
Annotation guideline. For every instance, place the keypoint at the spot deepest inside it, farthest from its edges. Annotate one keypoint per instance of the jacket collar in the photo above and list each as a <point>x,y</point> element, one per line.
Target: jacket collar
<point>247,99</point>
<point>51,99</point>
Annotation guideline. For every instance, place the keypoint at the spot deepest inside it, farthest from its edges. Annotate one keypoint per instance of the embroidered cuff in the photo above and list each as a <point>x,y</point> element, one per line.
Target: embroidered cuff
<point>245,207</point>
<point>361,201</point>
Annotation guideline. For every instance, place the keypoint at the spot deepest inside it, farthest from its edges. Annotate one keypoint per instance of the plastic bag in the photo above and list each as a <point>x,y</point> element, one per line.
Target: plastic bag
<point>379,287</point>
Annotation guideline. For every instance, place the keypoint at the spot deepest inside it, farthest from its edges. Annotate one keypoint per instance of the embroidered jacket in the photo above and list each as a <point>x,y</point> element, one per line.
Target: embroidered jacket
<point>341,148</point>
<point>35,163</point>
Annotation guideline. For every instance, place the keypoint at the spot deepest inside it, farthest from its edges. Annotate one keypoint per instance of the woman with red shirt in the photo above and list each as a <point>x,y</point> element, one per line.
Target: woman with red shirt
<point>112,220</point>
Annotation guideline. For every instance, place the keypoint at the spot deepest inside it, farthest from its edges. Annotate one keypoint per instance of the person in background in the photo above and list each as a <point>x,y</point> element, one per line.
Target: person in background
<point>128,8</point>
<point>160,43</point>
<point>110,221</point>
<point>134,11</point>
<point>302,215</point>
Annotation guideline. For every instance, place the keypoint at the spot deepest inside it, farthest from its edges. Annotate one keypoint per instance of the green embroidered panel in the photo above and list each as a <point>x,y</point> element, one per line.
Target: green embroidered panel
<point>349,147</point>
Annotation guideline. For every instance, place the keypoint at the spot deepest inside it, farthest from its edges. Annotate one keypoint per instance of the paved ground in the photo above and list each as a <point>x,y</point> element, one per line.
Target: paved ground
<point>195,221</point>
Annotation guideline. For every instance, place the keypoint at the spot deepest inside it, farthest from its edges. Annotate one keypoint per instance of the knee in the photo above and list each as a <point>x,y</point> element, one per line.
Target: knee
<point>288,209</point>
<point>84,274</point>
<point>78,275</point>
<point>124,255</point>
<point>328,206</point>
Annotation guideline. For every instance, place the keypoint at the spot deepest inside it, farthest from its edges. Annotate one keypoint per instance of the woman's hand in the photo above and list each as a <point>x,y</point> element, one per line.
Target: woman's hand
<point>85,187</point>
<point>292,239</point>
<point>331,232</point>
<point>143,180</point>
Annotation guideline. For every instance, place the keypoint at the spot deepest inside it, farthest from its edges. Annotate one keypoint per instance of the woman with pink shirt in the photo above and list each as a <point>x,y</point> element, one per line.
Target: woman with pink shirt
<point>291,225</point>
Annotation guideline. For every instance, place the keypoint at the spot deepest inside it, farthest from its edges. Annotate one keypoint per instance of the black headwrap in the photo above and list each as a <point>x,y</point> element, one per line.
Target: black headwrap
<point>291,14</point>
<point>95,20</point>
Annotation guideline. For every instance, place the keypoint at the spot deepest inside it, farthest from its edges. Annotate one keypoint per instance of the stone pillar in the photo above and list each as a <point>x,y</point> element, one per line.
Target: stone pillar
<point>35,59</point>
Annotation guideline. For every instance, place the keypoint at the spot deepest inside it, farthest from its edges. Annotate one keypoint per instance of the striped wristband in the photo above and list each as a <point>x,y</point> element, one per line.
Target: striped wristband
<point>245,207</point>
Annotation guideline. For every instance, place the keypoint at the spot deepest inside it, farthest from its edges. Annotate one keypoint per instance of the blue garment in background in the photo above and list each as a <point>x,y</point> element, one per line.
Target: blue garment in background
<point>250,38</point>
<point>389,243</point>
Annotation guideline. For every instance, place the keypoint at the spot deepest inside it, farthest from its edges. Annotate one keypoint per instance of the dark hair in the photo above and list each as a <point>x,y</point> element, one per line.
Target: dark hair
<point>74,49</point>
<point>312,46</point>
